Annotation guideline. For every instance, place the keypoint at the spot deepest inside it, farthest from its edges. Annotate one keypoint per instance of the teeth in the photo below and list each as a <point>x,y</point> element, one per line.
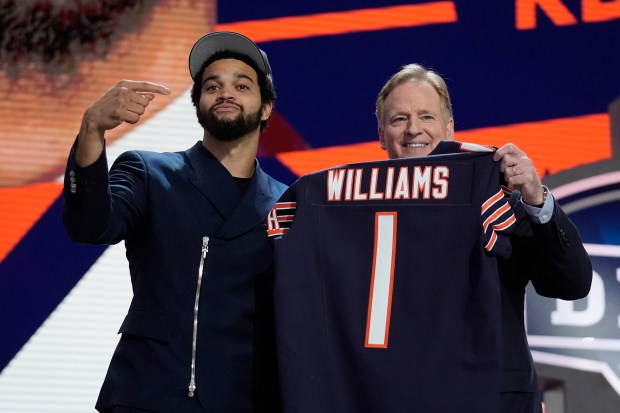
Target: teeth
<point>415,145</point>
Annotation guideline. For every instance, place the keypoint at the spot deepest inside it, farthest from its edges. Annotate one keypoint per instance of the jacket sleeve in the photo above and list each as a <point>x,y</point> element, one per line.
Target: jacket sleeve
<point>554,259</point>
<point>102,207</point>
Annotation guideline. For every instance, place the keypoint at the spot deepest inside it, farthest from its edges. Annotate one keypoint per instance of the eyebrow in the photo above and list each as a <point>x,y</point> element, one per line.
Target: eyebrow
<point>236,75</point>
<point>397,113</point>
<point>417,112</point>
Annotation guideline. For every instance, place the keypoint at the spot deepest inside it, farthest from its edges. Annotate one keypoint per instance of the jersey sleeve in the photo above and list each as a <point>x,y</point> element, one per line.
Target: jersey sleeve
<point>498,220</point>
<point>281,216</point>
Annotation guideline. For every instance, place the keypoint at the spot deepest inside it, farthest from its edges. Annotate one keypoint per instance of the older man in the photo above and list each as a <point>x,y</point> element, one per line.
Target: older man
<point>414,114</point>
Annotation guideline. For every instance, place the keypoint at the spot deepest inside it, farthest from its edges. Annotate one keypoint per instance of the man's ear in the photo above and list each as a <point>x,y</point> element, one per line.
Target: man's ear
<point>450,128</point>
<point>266,110</point>
<point>381,138</point>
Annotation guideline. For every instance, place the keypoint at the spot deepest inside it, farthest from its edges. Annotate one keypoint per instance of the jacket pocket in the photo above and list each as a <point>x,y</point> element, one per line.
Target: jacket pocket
<point>156,325</point>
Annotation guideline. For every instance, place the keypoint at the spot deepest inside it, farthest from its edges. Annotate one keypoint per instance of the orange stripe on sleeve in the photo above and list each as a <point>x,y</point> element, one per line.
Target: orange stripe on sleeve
<point>495,216</point>
<point>489,202</point>
<point>324,24</point>
<point>285,205</point>
<point>506,224</point>
<point>491,242</point>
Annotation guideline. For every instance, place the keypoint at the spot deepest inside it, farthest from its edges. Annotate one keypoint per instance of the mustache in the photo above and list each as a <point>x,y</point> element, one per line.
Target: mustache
<point>225,102</point>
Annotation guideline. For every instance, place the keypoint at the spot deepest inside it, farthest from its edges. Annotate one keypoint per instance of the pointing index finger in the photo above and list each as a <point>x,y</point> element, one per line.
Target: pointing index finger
<point>144,87</point>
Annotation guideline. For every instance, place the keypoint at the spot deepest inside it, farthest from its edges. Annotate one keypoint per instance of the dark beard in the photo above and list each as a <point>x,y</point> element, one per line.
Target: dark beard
<point>229,130</point>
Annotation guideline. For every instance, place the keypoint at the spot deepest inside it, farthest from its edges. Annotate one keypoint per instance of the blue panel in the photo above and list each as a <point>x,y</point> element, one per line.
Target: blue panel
<point>280,172</point>
<point>36,276</point>
<point>240,10</point>
<point>497,74</point>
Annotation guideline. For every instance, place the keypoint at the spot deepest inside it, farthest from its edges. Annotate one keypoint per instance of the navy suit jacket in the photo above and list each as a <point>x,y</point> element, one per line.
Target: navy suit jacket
<point>552,257</point>
<point>163,205</point>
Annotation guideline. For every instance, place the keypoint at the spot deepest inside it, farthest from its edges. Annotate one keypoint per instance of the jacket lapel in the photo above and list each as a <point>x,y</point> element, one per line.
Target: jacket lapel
<point>213,180</point>
<point>253,208</point>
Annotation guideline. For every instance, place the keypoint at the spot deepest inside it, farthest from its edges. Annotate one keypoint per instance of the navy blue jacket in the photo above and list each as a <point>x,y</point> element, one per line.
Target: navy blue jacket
<point>181,215</point>
<point>552,257</point>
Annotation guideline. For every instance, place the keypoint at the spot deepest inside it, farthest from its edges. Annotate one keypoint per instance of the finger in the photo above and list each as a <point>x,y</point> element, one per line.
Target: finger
<point>148,96</point>
<point>500,153</point>
<point>507,149</point>
<point>515,181</point>
<point>143,86</point>
<point>523,178</point>
<point>136,108</point>
<point>131,117</point>
<point>140,98</point>
<point>507,162</point>
<point>130,112</point>
<point>127,112</point>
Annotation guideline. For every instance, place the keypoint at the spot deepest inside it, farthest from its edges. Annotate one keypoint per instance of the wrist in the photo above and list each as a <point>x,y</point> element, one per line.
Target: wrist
<point>541,204</point>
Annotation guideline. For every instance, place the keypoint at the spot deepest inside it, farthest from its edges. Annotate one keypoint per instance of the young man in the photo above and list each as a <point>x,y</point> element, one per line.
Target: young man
<point>198,336</point>
<point>414,114</point>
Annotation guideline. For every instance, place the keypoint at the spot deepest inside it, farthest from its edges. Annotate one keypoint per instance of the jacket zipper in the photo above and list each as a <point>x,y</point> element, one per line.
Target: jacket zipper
<point>203,256</point>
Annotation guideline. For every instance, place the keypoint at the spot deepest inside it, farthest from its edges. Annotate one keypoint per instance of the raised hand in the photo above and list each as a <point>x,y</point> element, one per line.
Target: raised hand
<point>520,173</point>
<point>124,102</point>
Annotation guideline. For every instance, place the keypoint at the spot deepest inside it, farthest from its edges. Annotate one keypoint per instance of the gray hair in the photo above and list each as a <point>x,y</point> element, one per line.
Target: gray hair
<point>415,72</point>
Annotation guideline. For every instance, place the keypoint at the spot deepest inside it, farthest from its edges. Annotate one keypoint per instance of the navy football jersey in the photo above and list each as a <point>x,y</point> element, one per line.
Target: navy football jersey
<point>387,296</point>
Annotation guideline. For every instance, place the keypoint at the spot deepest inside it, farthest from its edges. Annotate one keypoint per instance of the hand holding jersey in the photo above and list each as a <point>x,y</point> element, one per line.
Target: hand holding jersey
<point>386,290</point>
<point>556,268</point>
<point>435,372</point>
<point>520,174</point>
<point>415,114</point>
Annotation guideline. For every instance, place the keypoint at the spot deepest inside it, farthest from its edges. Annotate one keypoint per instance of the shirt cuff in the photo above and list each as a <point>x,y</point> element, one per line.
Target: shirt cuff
<point>544,214</point>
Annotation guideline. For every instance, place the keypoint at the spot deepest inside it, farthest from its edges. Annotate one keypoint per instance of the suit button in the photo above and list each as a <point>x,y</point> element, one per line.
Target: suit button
<point>564,237</point>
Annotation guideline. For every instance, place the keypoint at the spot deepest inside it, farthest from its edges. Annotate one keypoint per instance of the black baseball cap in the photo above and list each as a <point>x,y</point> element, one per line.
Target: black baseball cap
<point>215,42</point>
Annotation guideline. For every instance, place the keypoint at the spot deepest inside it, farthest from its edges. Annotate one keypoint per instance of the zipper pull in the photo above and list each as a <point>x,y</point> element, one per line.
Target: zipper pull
<point>192,382</point>
<point>205,246</point>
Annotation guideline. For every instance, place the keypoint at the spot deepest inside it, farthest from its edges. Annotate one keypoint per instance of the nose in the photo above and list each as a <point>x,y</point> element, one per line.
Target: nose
<point>412,126</point>
<point>226,93</point>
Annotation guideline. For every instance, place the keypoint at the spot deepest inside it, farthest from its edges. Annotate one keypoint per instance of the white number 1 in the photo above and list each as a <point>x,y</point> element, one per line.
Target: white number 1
<point>380,300</point>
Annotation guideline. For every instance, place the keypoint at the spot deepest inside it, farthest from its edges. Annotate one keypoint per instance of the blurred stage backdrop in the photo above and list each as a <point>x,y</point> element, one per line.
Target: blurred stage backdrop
<point>543,74</point>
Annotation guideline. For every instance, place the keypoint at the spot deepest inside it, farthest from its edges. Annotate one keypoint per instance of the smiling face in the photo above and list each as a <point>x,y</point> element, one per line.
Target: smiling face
<point>230,103</point>
<point>412,121</point>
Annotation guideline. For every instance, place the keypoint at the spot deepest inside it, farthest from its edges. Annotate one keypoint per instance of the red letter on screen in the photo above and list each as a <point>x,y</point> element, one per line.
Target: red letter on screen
<point>599,10</point>
<point>554,9</point>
